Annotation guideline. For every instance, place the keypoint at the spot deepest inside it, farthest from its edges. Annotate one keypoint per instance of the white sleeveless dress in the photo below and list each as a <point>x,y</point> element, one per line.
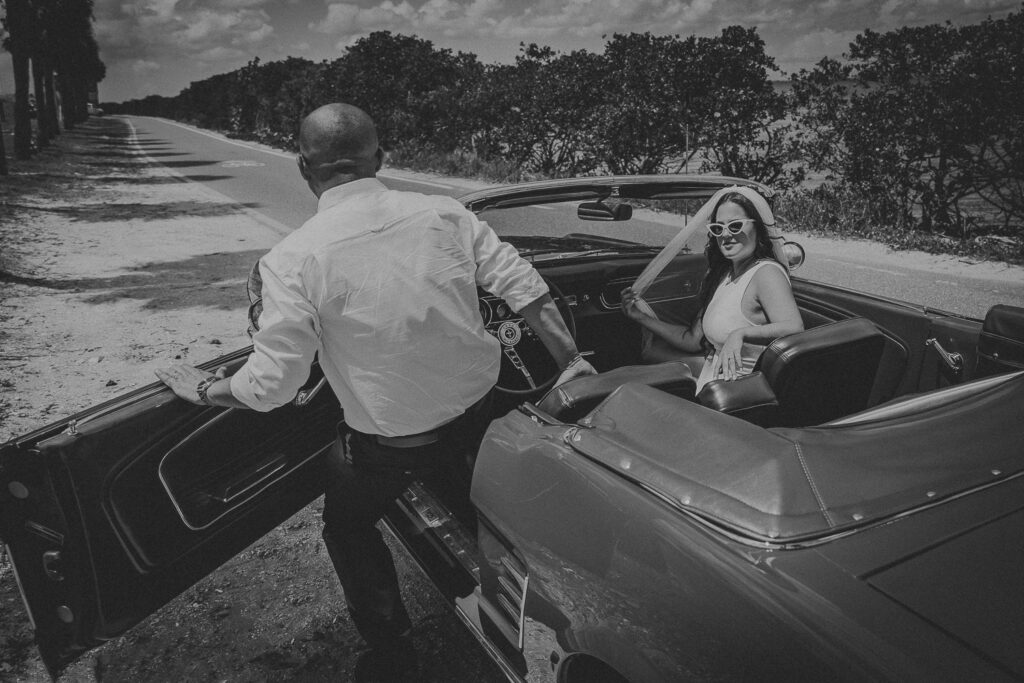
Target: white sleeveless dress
<point>724,314</point>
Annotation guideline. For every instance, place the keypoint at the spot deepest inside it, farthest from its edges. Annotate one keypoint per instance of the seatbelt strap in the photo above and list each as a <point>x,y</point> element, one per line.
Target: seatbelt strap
<point>699,221</point>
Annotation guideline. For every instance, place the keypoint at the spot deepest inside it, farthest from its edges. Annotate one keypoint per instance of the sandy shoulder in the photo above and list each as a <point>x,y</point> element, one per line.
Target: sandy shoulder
<point>125,273</point>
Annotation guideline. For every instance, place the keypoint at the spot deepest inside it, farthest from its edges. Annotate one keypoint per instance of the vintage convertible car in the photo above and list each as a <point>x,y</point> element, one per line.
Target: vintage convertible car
<point>854,510</point>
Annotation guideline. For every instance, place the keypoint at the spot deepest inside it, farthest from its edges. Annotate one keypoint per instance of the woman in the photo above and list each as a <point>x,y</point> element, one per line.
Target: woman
<point>745,302</point>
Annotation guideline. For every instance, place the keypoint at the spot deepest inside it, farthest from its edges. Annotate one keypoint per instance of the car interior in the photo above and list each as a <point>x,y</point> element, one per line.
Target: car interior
<point>856,352</point>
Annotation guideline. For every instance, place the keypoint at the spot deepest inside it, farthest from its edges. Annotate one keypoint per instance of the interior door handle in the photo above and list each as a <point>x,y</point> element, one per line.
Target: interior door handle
<point>231,490</point>
<point>305,396</point>
<point>953,361</point>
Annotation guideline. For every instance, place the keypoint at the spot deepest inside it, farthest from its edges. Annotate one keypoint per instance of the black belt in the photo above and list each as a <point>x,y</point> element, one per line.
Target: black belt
<point>410,441</point>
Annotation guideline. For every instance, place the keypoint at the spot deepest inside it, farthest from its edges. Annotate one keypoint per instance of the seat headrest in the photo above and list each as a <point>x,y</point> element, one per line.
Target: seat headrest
<point>824,372</point>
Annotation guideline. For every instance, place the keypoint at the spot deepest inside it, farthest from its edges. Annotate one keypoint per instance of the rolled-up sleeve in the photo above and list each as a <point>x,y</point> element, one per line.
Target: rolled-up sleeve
<point>499,267</point>
<point>284,346</point>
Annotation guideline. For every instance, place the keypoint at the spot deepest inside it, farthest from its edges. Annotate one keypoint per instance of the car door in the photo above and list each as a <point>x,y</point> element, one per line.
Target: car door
<point>110,514</point>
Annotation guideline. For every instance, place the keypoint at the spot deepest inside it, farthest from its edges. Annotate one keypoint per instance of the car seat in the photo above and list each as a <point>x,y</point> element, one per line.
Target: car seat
<point>805,378</point>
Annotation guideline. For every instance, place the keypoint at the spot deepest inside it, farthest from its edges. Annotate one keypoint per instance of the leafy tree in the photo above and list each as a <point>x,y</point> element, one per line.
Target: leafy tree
<point>670,99</point>
<point>393,77</point>
<point>921,119</point>
<point>993,71</point>
<point>539,112</point>
<point>741,125</point>
<point>647,118</point>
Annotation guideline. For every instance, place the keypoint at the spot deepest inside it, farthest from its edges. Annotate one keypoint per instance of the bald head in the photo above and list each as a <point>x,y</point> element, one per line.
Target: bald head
<point>339,139</point>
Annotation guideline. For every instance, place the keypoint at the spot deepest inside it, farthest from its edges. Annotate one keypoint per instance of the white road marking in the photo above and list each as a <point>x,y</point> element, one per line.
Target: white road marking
<point>266,221</point>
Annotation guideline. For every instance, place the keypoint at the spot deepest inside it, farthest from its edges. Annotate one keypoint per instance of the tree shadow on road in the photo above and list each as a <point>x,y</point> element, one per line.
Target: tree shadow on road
<point>137,211</point>
<point>212,280</point>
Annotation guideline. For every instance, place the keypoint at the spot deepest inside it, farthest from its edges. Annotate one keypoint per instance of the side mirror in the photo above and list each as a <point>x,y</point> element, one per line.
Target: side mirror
<point>599,211</point>
<point>795,254</point>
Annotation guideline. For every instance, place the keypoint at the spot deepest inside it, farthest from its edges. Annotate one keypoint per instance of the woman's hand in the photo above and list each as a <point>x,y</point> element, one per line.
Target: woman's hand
<point>629,305</point>
<point>731,355</point>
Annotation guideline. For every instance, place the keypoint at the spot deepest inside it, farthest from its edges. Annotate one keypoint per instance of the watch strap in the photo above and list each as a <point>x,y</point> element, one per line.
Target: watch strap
<point>204,386</point>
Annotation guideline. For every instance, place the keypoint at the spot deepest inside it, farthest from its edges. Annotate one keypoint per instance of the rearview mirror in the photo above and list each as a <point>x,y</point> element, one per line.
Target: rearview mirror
<point>599,211</point>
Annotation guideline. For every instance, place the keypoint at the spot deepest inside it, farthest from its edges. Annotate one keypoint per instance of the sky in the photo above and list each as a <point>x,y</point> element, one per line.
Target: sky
<point>160,46</point>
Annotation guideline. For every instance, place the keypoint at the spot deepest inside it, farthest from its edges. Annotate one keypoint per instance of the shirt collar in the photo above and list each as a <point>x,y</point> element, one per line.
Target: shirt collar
<point>341,193</point>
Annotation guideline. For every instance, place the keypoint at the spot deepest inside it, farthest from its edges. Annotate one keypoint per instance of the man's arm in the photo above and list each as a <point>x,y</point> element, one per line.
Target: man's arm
<point>184,381</point>
<point>543,317</point>
<point>283,351</point>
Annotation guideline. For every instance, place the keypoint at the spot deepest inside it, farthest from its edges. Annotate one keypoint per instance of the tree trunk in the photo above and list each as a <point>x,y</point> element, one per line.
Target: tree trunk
<point>3,152</point>
<point>51,103</point>
<point>22,117</point>
<point>43,134</point>
<point>67,97</point>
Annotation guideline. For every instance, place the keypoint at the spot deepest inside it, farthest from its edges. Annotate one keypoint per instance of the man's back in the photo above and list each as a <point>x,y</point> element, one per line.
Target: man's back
<point>392,280</point>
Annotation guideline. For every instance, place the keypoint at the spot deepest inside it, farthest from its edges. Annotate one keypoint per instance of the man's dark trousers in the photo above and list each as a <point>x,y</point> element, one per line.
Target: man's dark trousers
<point>364,476</point>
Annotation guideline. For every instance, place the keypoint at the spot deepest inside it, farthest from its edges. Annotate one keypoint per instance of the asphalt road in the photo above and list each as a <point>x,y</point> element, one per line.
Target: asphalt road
<point>266,181</point>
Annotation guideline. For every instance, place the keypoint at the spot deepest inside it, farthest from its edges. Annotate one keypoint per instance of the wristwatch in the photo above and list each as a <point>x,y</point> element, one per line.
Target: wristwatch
<point>204,386</point>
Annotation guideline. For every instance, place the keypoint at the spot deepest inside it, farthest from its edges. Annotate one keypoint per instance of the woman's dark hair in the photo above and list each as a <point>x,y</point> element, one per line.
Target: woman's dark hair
<point>718,265</point>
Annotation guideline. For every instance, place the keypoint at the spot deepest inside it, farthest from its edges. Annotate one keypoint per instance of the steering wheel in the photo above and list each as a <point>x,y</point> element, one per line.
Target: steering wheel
<point>526,366</point>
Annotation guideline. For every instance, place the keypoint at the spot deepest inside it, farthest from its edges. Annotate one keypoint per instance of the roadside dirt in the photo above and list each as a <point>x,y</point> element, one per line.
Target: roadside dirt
<point>109,269</point>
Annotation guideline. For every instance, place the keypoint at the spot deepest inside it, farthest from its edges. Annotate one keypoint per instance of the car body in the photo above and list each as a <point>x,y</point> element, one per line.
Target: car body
<point>626,529</point>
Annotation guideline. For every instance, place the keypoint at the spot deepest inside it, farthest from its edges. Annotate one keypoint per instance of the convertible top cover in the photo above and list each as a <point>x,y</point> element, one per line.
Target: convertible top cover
<point>792,485</point>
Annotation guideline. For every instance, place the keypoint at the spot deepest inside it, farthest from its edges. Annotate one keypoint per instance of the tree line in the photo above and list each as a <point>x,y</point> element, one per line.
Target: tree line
<point>52,45</point>
<point>919,130</point>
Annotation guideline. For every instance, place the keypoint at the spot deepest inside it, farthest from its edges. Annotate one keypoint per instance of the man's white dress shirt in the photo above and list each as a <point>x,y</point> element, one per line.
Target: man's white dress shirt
<point>383,284</point>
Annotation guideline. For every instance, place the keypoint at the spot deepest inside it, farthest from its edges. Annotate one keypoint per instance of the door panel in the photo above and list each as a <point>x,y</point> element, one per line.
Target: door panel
<point>134,502</point>
<point>905,327</point>
<point>952,343</point>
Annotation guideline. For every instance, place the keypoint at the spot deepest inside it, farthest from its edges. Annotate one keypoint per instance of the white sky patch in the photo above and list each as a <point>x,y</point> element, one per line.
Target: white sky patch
<point>811,48</point>
<point>220,54</point>
<point>141,66</point>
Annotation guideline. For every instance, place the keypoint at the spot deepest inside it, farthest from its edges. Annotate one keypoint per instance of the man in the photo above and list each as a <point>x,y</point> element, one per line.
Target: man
<point>382,285</point>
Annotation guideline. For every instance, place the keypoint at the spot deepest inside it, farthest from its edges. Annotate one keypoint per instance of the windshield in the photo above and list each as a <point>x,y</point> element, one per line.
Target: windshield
<point>653,224</point>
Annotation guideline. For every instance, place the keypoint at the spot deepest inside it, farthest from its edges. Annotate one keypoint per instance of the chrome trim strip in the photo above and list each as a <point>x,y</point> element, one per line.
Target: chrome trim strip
<point>948,393</point>
<point>489,648</point>
<point>518,574</point>
<point>21,589</point>
<point>493,652</point>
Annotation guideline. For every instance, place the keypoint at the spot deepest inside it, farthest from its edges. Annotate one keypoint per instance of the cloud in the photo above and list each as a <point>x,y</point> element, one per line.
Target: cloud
<point>141,66</point>
<point>158,29</point>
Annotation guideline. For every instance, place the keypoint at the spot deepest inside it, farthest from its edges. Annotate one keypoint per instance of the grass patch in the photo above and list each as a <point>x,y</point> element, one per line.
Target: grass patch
<point>836,212</point>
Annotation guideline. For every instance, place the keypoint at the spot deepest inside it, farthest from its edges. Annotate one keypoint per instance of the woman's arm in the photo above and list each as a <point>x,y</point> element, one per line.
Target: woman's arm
<point>684,337</point>
<point>775,296</point>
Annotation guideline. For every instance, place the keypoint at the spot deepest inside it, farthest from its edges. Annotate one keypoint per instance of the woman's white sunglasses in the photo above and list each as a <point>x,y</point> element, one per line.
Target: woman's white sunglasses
<point>734,227</point>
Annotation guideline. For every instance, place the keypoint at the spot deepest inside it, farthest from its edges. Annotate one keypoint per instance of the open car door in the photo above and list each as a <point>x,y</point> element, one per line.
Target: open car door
<point>110,514</point>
